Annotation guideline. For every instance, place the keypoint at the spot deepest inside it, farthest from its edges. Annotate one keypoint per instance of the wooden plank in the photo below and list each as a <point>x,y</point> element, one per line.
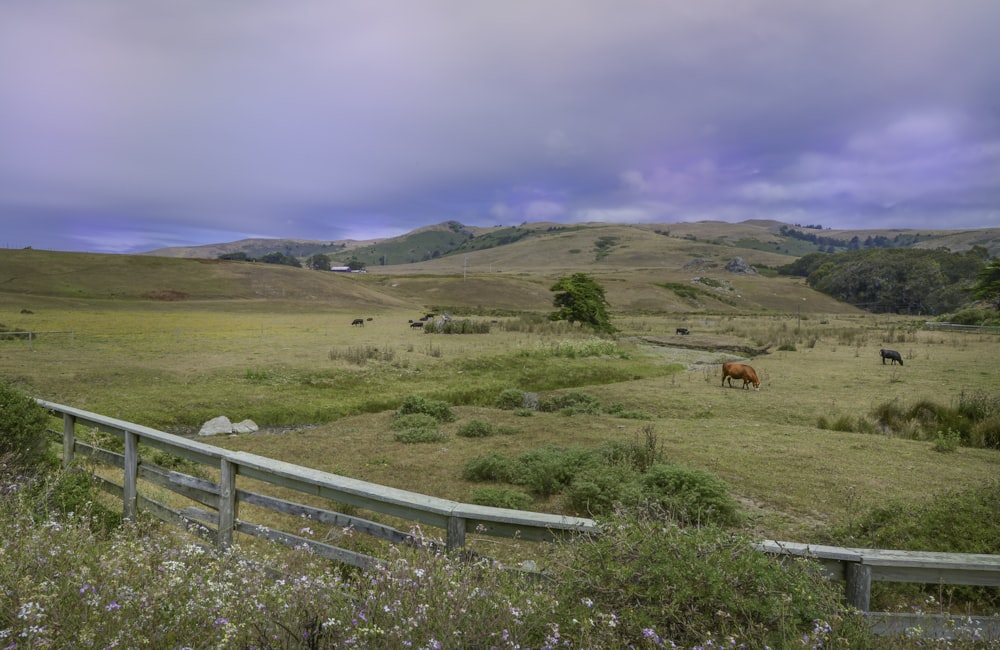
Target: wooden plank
<point>819,551</point>
<point>68,434</point>
<point>227,503</point>
<point>935,626</point>
<point>199,490</point>
<point>331,518</point>
<point>129,485</point>
<point>336,553</point>
<point>932,575</point>
<point>858,590</point>
<point>177,518</point>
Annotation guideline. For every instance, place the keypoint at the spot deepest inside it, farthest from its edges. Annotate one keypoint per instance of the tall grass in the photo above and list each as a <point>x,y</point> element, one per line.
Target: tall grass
<point>69,583</point>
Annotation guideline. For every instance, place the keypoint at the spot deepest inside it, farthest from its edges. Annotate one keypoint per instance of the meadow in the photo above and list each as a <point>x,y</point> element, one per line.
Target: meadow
<point>801,454</point>
<point>810,453</point>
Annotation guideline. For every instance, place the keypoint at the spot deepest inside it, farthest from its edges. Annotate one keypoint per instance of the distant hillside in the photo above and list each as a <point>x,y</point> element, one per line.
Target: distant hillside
<point>682,268</point>
<point>453,238</point>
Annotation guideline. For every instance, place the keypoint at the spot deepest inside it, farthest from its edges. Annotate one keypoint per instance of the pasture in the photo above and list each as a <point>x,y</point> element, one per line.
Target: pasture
<point>324,392</point>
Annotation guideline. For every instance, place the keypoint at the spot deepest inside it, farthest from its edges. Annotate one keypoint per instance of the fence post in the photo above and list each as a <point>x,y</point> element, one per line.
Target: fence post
<point>129,488</point>
<point>456,533</point>
<point>69,432</point>
<point>227,503</point>
<point>859,585</point>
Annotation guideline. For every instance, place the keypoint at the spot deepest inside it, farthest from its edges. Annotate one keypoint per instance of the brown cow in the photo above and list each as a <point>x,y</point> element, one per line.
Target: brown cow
<point>742,371</point>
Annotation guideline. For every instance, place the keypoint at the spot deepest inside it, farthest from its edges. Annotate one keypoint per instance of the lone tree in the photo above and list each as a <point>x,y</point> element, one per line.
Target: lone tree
<point>988,285</point>
<point>580,299</point>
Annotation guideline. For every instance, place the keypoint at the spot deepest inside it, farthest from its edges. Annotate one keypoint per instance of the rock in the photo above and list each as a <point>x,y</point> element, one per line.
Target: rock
<point>246,426</point>
<point>216,426</point>
<point>739,265</point>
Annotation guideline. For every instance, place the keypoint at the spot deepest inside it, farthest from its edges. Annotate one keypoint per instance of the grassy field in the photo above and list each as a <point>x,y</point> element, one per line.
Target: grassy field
<point>324,392</point>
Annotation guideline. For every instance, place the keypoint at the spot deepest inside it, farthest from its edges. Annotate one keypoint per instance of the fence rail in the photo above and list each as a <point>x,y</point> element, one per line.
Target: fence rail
<point>956,327</point>
<point>856,567</point>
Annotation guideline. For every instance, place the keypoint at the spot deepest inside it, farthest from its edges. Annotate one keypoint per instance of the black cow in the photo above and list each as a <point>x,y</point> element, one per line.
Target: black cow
<point>892,355</point>
<point>358,321</point>
<point>417,323</point>
<point>682,331</point>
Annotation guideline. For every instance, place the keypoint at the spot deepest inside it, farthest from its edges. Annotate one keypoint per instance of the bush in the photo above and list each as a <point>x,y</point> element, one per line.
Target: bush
<point>985,434</point>
<point>510,399</point>
<point>438,409</point>
<point>476,429</point>
<point>501,498</point>
<point>492,467</point>
<point>947,441</point>
<point>24,438</point>
<point>549,470</point>
<point>570,403</point>
<point>418,435</point>
<point>682,586</point>
<point>955,521</point>
<point>692,495</point>
<point>598,490</point>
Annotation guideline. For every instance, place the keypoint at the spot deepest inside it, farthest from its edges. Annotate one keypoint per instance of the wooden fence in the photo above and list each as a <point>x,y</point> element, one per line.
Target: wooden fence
<point>856,567</point>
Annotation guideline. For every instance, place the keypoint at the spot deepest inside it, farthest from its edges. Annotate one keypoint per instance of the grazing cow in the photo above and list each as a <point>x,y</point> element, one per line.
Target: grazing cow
<point>892,355</point>
<point>358,321</point>
<point>682,331</point>
<point>418,323</point>
<point>742,371</point>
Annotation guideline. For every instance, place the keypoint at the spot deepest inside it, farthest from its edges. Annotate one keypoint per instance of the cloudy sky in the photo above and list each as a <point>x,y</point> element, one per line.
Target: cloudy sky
<point>131,125</point>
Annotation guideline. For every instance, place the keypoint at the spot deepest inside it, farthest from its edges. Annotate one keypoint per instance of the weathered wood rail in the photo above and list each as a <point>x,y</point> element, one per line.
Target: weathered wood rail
<point>224,497</point>
<point>856,567</point>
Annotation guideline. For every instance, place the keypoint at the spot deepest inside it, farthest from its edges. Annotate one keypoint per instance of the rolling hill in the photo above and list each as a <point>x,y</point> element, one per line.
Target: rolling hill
<point>647,268</point>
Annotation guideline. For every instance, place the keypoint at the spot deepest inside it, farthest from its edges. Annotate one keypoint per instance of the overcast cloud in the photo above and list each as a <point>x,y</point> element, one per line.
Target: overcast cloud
<point>129,125</point>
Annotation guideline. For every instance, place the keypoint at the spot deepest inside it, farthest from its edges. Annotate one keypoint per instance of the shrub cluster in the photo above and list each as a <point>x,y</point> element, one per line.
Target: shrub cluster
<point>596,481</point>
<point>24,439</point>
<point>571,403</point>
<point>955,521</point>
<point>973,422</point>
<point>418,419</point>
<point>458,326</point>
<point>690,584</point>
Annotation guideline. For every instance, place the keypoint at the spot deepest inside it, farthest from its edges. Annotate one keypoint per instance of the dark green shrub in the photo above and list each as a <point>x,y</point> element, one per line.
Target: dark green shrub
<point>985,434</point>
<point>501,498</point>
<point>476,429</point>
<point>692,495</point>
<point>510,399</point>
<point>955,521</point>
<point>638,454</point>
<point>24,438</point>
<point>570,403</point>
<point>695,584</point>
<point>492,467</point>
<point>843,423</point>
<point>440,410</point>
<point>548,470</point>
<point>417,435</point>
<point>75,491</point>
<point>598,490</point>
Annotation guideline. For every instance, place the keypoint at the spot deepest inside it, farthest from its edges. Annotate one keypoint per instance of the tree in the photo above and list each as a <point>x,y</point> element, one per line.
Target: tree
<point>318,262</point>
<point>580,299</point>
<point>987,286</point>
<point>280,258</point>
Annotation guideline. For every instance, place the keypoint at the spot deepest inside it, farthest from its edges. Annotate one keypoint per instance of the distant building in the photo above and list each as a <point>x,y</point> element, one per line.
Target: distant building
<point>340,269</point>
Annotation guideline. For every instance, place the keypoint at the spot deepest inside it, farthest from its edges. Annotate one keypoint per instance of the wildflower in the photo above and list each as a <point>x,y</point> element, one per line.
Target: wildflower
<point>112,606</point>
<point>587,602</point>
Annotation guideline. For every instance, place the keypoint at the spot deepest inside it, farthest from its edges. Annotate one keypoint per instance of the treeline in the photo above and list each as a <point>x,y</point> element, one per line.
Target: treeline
<point>317,261</point>
<point>832,244</point>
<point>903,281</point>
